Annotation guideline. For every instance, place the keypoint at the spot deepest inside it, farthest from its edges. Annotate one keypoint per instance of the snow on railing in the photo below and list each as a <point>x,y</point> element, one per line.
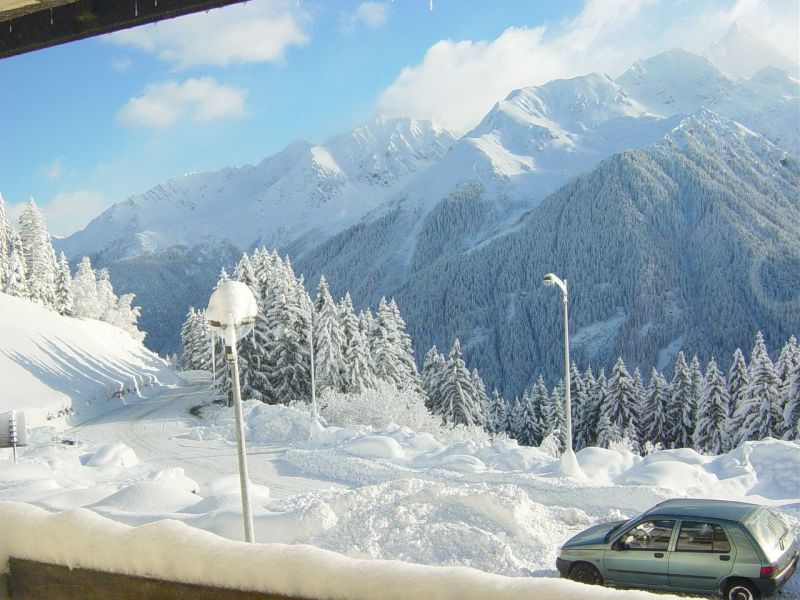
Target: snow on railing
<point>170,550</point>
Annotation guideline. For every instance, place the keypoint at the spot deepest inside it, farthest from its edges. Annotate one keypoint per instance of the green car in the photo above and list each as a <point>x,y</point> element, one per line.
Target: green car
<point>742,551</point>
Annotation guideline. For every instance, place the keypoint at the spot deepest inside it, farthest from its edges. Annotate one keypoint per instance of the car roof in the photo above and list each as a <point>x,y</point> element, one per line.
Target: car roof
<point>700,508</point>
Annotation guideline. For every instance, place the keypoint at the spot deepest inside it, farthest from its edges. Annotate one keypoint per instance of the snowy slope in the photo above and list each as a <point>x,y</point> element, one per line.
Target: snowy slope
<point>302,191</point>
<point>60,369</point>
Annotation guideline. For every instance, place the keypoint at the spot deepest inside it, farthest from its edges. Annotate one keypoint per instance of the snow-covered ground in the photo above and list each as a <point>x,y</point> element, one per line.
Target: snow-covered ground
<point>60,369</point>
<point>385,493</point>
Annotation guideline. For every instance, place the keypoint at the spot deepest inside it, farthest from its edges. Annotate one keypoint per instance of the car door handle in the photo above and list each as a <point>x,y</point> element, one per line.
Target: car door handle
<point>659,555</point>
<point>724,557</point>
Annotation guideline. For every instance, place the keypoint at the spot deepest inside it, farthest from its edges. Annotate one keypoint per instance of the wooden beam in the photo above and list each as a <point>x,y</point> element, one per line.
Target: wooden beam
<point>56,23</point>
<point>32,580</point>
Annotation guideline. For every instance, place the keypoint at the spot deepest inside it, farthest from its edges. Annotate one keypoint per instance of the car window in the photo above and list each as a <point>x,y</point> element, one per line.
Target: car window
<point>648,535</point>
<point>697,536</point>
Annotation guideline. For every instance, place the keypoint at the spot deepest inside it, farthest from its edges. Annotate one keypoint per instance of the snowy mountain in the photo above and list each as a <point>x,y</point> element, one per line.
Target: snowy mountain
<point>374,208</point>
<point>691,242</point>
<point>303,191</point>
<point>742,55</point>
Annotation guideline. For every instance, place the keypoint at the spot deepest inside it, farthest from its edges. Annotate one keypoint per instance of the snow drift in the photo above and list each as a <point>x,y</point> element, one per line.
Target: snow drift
<point>54,367</point>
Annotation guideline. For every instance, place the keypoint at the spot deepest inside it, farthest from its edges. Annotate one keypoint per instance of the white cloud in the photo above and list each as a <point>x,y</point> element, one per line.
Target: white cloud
<point>164,104</point>
<point>52,171</point>
<point>369,14</point>
<point>121,65</point>
<point>457,82</point>
<point>258,31</point>
<point>67,212</point>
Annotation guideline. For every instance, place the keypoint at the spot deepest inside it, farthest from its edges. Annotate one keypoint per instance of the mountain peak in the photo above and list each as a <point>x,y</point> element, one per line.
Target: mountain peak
<point>742,54</point>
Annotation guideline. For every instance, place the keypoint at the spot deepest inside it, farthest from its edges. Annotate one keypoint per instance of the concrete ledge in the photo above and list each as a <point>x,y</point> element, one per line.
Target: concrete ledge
<point>31,580</point>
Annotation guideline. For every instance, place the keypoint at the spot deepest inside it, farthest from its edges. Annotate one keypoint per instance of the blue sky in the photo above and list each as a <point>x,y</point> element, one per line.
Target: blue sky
<point>88,124</point>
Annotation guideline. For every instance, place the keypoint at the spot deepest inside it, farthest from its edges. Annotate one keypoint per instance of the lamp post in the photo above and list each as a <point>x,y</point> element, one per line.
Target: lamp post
<point>569,463</point>
<point>232,311</point>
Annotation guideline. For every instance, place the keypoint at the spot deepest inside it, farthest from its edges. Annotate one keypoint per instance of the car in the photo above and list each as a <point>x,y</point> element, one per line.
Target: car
<point>739,550</point>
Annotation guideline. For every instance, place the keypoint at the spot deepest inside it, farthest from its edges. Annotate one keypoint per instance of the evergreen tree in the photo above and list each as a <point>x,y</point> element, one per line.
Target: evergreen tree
<point>6,246</point>
<point>681,407</point>
<point>621,401</point>
<point>516,419</point>
<point>498,413</point>
<point>762,413</point>
<point>481,399</point>
<point>431,373</point>
<point>84,291</point>
<point>607,432</point>
<point>16,283</point>
<point>349,325</point>
<point>329,341</point>
<point>586,420</point>
<point>696,375</point>
<point>737,393</point>
<point>540,403</point>
<point>404,351</point>
<point>791,408</point>
<point>527,431</point>
<point>187,334</point>
<point>654,424</point>
<point>459,405</point>
<point>555,417</point>
<point>358,376</point>
<point>38,255</point>
<point>580,402</point>
<point>63,298</point>
<point>712,413</point>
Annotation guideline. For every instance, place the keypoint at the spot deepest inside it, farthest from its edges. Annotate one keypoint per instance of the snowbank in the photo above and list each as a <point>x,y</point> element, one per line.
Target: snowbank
<point>171,550</point>
<point>53,366</point>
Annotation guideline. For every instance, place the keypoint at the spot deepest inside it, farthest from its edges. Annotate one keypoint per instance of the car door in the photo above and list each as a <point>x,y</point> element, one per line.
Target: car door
<point>639,557</point>
<point>703,555</point>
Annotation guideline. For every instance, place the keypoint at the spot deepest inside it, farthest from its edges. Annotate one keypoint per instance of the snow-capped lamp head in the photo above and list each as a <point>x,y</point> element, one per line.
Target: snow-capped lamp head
<point>552,279</point>
<point>231,312</point>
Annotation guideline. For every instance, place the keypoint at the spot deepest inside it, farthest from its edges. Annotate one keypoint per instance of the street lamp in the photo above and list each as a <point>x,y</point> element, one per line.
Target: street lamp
<point>569,463</point>
<point>232,311</point>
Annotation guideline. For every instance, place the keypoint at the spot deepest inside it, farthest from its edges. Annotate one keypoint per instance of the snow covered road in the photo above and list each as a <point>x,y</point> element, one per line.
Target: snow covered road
<point>157,429</point>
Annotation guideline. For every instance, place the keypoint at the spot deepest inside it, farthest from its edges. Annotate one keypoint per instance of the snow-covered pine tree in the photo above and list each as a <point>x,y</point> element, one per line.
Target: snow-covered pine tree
<point>16,284</point>
<point>358,376</point>
<point>404,350</point>
<point>654,425</point>
<point>580,400</point>
<point>681,407</point>
<point>515,419</point>
<point>63,300</point>
<point>599,398</point>
<point>349,326</point>
<point>84,291</point>
<point>431,372</point>
<point>607,432</point>
<point>125,316</point>
<point>498,413</point>
<point>585,424</point>
<point>696,375</point>
<point>791,408</point>
<point>187,333</point>
<point>641,399</point>
<point>528,429</point>
<point>787,359</point>
<point>737,393</point>
<point>382,348</point>
<point>481,398</point>
<point>712,413</point>
<point>621,401</point>
<point>106,298</point>
<point>763,412</point>
<point>328,341</point>
<point>5,245</point>
<point>38,255</point>
<point>459,405</point>
<point>540,402</point>
<point>556,417</point>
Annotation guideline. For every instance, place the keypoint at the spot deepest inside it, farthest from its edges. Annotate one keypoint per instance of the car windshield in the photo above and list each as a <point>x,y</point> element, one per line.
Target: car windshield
<point>618,526</point>
<point>767,529</point>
